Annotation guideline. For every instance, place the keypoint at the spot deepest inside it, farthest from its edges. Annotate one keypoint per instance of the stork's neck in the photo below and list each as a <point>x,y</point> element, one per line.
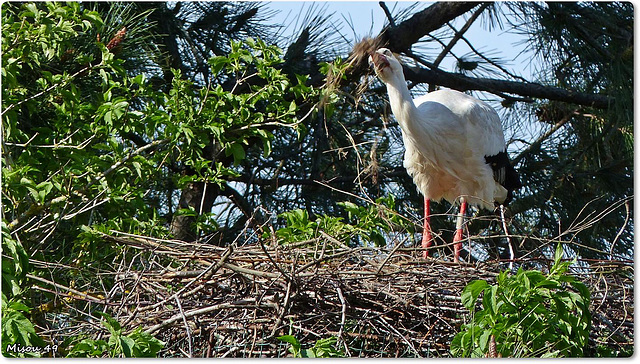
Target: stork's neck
<point>401,102</point>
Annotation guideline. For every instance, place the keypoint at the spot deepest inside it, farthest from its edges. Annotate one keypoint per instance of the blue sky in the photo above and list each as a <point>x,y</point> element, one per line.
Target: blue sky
<point>368,18</point>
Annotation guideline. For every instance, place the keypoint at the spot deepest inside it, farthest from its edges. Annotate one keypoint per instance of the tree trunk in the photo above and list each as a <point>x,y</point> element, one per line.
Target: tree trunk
<point>183,227</point>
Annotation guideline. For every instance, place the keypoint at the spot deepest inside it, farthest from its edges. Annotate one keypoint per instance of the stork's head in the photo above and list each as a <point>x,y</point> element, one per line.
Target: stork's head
<point>385,64</point>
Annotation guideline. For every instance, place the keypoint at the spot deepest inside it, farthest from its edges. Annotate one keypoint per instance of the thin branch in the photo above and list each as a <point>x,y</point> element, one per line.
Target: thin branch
<point>154,144</point>
<point>48,89</point>
<point>464,83</point>
<point>402,36</point>
<point>343,319</point>
<point>489,60</point>
<point>186,326</point>
<point>243,303</point>
<point>458,34</point>
<point>76,293</point>
<point>622,228</point>
<point>544,136</point>
<point>384,7</point>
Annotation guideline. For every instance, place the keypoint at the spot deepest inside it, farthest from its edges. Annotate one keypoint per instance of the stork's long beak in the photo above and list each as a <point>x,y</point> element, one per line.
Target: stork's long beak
<point>378,60</point>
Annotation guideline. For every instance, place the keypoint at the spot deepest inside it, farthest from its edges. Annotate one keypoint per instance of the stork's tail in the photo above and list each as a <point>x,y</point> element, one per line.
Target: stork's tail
<point>504,173</point>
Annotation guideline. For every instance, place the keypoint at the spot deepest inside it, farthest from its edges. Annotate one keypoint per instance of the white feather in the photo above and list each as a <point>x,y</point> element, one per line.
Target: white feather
<point>447,135</point>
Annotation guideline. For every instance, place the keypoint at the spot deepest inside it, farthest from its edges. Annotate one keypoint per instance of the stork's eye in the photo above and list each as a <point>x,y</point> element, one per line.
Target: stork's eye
<point>387,52</point>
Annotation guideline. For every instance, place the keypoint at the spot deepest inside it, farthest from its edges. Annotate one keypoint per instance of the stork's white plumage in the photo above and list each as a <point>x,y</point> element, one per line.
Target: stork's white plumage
<point>454,146</point>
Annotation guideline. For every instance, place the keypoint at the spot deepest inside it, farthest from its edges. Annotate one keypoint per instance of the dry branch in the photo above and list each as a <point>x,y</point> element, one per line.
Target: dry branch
<point>376,301</point>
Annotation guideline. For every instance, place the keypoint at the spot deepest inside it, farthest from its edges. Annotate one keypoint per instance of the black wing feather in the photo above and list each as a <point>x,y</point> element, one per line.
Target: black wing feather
<point>504,173</point>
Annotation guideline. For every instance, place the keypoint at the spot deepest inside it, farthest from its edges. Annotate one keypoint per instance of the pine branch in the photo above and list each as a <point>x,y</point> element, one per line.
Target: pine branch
<point>464,83</point>
<point>458,34</point>
<point>407,33</point>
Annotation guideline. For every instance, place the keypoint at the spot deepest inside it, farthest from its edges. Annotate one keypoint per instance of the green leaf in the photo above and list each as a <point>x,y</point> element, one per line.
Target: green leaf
<point>489,300</point>
<point>307,353</point>
<point>456,348</point>
<point>128,346</point>
<point>484,340</point>
<point>19,306</point>
<point>266,146</point>
<point>138,168</point>
<point>217,63</point>
<point>289,339</point>
<point>582,288</point>
<point>550,354</point>
<point>88,348</point>
<point>146,345</point>
<point>558,255</point>
<point>471,292</point>
<point>110,323</point>
<point>107,118</point>
<point>237,150</point>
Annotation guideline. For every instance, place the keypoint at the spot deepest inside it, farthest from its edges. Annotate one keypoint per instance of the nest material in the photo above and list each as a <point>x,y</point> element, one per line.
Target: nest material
<point>357,64</point>
<point>235,302</point>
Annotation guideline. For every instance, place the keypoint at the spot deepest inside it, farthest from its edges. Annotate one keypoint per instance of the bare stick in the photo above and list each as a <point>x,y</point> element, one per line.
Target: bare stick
<point>458,34</point>
<point>68,289</point>
<point>387,13</point>
<point>244,303</point>
<point>512,255</point>
<point>283,311</point>
<point>343,319</point>
<point>186,326</point>
<point>624,225</point>
<point>212,269</point>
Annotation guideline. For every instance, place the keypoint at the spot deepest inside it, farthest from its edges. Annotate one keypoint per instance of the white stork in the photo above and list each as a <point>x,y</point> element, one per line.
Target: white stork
<point>454,147</point>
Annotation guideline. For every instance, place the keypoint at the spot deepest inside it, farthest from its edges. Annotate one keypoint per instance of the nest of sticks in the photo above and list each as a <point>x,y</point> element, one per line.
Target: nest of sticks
<point>209,301</point>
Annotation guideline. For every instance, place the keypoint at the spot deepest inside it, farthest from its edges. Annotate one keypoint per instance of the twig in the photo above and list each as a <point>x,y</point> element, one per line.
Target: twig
<point>624,225</point>
<point>390,327</point>
<point>119,163</point>
<point>458,34</point>
<point>244,303</point>
<point>285,306</point>
<point>324,258</point>
<point>512,255</point>
<point>384,7</point>
<point>186,326</point>
<point>60,84</point>
<point>205,274</point>
<point>77,293</point>
<point>386,260</point>
<point>343,319</point>
<point>544,136</point>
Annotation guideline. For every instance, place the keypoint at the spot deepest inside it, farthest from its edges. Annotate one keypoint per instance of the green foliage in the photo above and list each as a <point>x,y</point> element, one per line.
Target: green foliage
<point>323,348</point>
<point>15,264</point>
<point>17,329</point>
<point>137,344</point>
<point>262,99</point>
<point>91,145</point>
<point>375,220</point>
<point>300,227</point>
<point>584,47</point>
<point>107,143</point>
<point>529,313</point>
<point>367,225</point>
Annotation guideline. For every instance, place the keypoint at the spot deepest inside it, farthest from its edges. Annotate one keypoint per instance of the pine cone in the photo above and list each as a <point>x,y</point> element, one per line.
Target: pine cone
<point>117,39</point>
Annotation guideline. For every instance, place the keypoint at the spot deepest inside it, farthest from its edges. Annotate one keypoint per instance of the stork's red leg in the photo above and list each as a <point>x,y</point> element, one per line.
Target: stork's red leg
<point>426,232</point>
<point>457,239</point>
